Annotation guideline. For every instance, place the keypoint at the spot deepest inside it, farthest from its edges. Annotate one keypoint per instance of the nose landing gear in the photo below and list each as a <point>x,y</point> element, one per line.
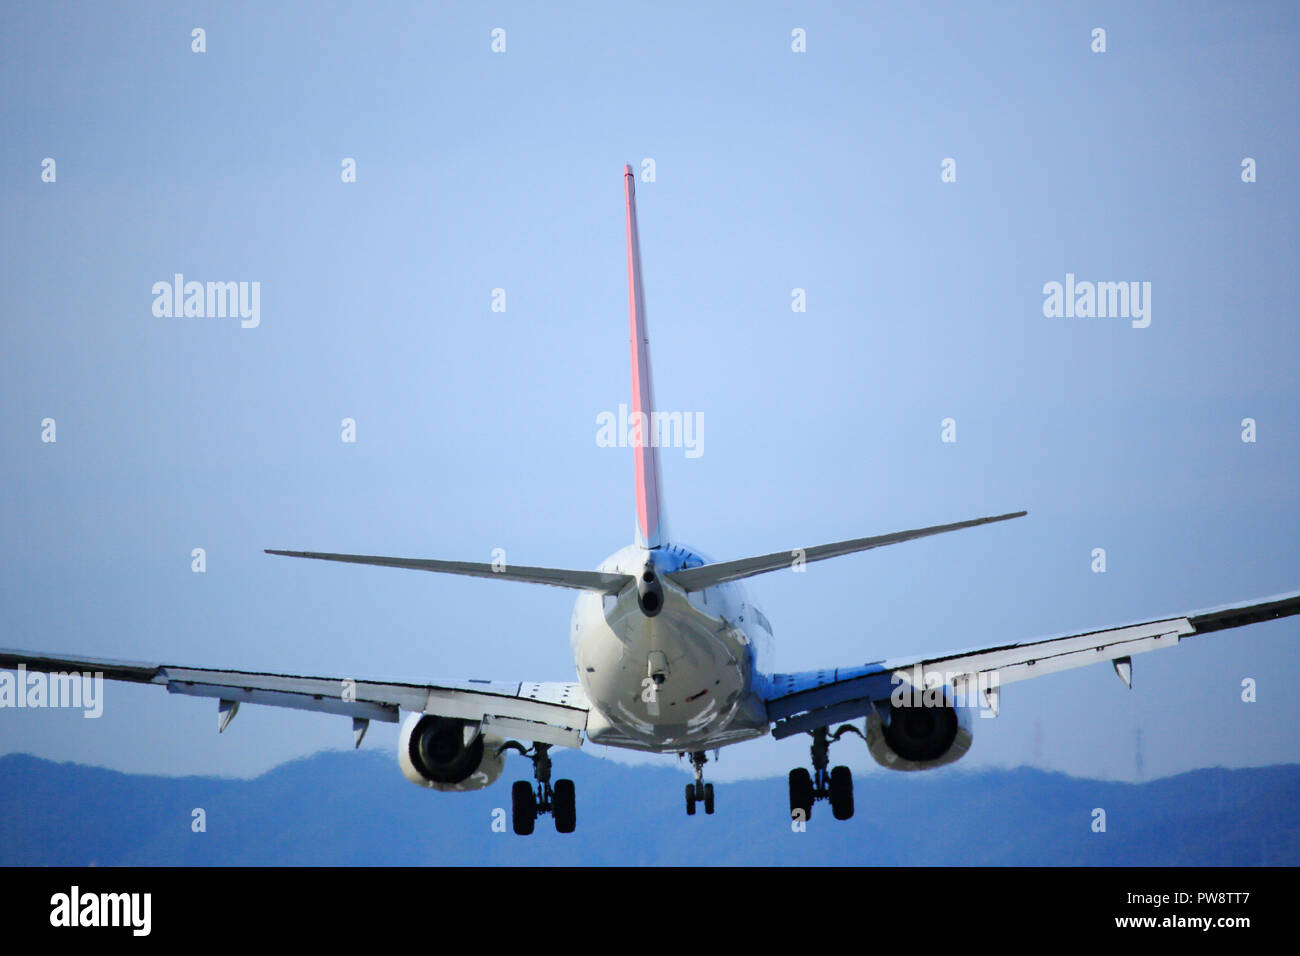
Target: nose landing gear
<point>836,786</point>
<point>527,803</point>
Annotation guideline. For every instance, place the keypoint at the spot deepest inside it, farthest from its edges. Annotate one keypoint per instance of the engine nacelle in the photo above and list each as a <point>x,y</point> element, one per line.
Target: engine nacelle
<point>446,753</point>
<point>918,737</point>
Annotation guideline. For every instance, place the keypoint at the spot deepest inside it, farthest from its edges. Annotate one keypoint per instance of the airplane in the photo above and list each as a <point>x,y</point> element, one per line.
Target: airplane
<point>672,656</point>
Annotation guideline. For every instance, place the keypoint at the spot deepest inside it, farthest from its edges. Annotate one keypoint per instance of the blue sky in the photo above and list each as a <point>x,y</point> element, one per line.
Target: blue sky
<point>476,429</point>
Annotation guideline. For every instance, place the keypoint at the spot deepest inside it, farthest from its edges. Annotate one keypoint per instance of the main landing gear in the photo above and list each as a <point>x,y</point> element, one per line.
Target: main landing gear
<point>837,786</point>
<point>699,791</point>
<point>526,803</point>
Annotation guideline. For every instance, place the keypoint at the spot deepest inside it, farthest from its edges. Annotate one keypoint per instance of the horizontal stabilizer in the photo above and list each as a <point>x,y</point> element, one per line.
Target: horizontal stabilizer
<point>697,579</point>
<point>603,581</point>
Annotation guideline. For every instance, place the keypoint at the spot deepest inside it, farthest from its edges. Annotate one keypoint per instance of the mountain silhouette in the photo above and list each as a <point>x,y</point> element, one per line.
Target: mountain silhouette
<point>345,808</point>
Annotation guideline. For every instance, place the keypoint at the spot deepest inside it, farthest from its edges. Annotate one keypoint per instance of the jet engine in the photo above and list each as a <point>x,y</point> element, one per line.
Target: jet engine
<point>917,737</point>
<point>447,753</point>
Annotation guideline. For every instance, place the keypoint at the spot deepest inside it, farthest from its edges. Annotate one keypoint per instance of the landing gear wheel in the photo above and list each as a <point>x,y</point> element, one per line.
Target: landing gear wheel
<point>842,793</point>
<point>523,806</point>
<point>699,791</point>
<point>801,794</point>
<point>564,806</point>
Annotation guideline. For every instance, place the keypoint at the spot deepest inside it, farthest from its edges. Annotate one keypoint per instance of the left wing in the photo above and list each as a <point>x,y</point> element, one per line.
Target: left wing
<point>804,701</point>
<point>553,713</point>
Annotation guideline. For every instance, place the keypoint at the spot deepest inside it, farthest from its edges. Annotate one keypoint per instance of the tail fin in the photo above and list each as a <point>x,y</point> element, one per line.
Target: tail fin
<point>651,531</point>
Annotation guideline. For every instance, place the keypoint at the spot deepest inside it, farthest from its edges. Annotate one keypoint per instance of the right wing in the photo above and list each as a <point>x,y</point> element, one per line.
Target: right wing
<point>804,701</point>
<point>604,581</point>
<point>553,713</point>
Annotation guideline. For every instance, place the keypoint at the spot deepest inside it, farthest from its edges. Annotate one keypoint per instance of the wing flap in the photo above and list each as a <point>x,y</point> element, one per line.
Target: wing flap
<point>531,730</point>
<point>51,663</point>
<point>294,700</point>
<point>1021,661</point>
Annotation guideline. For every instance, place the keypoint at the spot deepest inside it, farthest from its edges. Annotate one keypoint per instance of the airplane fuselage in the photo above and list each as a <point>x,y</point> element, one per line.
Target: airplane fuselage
<point>689,677</point>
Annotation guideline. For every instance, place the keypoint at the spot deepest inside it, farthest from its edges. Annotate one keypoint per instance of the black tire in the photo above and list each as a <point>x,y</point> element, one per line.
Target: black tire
<point>690,799</point>
<point>564,806</point>
<point>842,793</point>
<point>523,807</point>
<point>801,793</point>
<point>708,798</point>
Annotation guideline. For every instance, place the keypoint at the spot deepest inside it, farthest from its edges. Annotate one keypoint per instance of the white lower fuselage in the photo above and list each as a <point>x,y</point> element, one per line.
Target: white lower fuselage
<point>691,677</point>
